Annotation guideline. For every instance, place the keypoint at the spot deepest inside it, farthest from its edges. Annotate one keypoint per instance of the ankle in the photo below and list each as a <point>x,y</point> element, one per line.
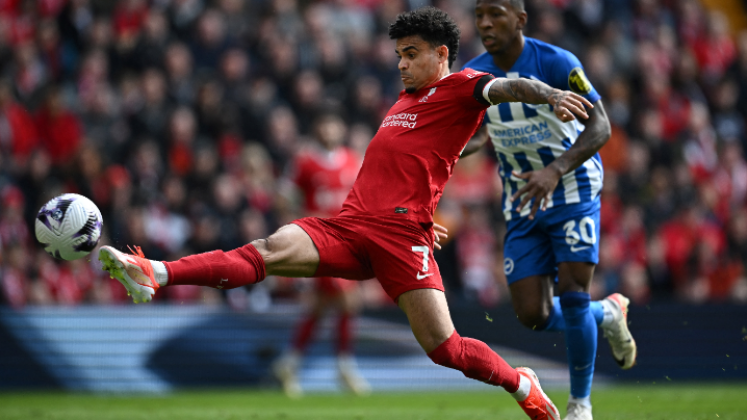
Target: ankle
<point>585,401</point>
<point>160,272</point>
<point>525,387</point>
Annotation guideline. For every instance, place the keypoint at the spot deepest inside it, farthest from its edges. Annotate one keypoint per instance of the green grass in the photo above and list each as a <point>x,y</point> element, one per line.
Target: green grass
<point>651,402</point>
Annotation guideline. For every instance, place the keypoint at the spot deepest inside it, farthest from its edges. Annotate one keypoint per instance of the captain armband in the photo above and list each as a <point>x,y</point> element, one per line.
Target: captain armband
<point>486,91</point>
<point>482,87</point>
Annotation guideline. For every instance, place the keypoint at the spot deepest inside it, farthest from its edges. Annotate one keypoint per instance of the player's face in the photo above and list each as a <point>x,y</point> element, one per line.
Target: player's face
<point>498,24</point>
<point>330,132</point>
<point>419,62</point>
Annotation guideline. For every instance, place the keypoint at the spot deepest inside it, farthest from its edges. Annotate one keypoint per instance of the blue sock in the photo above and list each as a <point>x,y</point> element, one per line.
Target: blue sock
<point>581,341</point>
<point>555,321</point>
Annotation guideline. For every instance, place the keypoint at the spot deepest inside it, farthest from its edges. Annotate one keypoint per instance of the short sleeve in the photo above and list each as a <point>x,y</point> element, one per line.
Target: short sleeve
<point>568,74</point>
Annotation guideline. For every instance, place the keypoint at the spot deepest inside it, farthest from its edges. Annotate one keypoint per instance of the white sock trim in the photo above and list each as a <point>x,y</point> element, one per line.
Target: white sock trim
<point>609,316</point>
<point>525,386</point>
<point>586,401</point>
<point>160,272</point>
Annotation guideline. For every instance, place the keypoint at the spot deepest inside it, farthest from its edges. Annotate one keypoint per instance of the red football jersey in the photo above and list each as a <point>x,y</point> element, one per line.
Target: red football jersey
<point>325,178</point>
<point>416,147</point>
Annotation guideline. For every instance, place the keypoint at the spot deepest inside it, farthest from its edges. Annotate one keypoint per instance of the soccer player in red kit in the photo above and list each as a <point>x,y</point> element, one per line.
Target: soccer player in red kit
<point>324,173</point>
<point>385,228</point>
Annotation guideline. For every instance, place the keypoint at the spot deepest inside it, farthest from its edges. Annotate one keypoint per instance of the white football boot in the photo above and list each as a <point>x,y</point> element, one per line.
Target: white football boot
<point>577,411</point>
<point>350,377</point>
<point>134,271</point>
<point>617,333</point>
<point>284,369</point>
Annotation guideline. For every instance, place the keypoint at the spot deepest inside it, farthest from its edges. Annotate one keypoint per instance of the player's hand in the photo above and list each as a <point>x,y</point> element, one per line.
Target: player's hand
<point>540,186</point>
<point>441,232</point>
<point>566,103</point>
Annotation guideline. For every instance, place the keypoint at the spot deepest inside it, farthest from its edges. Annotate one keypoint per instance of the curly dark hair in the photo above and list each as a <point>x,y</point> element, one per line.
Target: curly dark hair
<point>433,25</point>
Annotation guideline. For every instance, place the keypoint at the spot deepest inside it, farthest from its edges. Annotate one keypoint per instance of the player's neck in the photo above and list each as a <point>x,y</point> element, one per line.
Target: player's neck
<point>443,71</point>
<point>507,58</point>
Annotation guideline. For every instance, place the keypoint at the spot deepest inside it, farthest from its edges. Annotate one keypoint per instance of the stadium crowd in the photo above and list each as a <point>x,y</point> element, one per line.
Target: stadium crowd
<point>181,120</point>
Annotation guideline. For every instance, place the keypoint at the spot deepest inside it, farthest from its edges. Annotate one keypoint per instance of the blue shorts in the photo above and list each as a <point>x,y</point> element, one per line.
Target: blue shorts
<point>559,234</point>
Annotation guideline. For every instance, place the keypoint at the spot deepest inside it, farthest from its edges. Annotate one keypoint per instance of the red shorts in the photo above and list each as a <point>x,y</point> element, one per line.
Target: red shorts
<point>333,286</point>
<point>395,250</point>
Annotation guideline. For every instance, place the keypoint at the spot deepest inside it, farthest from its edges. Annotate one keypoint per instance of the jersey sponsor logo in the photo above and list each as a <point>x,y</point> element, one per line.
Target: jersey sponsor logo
<point>425,98</point>
<point>508,266</point>
<point>402,119</point>
<point>528,134</point>
<point>579,248</point>
<point>578,82</point>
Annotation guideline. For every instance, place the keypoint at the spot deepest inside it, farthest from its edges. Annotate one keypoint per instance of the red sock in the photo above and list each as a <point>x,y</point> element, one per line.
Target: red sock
<point>304,332</point>
<point>218,269</point>
<point>477,361</point>
<point>343,334</point>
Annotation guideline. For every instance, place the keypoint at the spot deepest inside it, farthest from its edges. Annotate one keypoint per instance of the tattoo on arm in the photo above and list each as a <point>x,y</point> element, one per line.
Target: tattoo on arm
<point>589,142</point>
<point>522,90</point>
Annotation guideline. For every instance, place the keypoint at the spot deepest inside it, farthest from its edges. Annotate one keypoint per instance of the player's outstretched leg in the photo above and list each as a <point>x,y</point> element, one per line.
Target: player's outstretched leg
<point>428,313</point>
<point>288,252</point>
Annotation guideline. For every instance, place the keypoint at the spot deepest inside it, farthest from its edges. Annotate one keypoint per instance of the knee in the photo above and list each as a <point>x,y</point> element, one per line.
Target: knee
<point>263,247</point>
<point>448,354</point>
<point>533,318</point>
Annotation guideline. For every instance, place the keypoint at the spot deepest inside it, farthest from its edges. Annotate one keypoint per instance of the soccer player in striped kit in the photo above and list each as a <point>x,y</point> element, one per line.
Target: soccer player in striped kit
<point>552,177</point>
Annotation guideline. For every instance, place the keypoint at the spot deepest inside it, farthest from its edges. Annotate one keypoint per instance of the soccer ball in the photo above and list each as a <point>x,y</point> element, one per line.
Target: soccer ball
<point>69,226</point>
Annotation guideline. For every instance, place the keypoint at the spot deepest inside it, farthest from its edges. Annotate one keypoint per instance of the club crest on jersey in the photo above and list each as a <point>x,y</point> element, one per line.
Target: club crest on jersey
<point>578,82</point>
<point>425,98</point>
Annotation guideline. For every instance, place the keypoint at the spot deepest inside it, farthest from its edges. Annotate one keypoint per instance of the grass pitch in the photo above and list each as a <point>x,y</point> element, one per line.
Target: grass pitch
<point>650,402</point>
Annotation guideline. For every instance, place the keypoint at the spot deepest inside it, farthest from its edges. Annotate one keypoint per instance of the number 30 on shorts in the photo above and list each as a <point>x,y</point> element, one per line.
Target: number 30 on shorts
<point>586,230</point>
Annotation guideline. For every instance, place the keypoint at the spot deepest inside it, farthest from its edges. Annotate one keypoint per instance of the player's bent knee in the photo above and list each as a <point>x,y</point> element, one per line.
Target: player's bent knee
<point>533,319</point>
<point>261,246</point>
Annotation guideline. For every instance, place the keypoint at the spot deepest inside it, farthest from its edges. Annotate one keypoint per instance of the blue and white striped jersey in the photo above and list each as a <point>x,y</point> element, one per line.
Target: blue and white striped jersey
<point>529,137</point>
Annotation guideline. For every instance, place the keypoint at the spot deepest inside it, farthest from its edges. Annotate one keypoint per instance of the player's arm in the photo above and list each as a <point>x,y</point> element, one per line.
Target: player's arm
<point>540,184</point>
<point>588,143</point>
<point>476,142</point>
<point>565,103</point>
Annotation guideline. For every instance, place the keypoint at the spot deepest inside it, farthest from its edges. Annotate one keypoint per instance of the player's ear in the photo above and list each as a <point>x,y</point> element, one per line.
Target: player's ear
<point>521,22</point>
<point>443,53</point>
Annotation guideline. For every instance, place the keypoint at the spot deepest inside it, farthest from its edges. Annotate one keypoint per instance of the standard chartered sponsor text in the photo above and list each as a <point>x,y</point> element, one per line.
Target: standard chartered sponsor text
<point>402,119</point>
<point>528,134</point>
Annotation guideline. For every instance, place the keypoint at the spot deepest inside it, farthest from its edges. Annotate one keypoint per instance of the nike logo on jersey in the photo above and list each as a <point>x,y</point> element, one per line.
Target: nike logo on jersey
<point>579,248</point>
<point>422,276</point>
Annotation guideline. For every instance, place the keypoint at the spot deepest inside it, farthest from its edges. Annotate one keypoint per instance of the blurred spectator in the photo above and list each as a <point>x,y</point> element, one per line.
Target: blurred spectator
<point>60,131</point>
<point>178,63</point>
<point>151,120</point>
<point>18,134</point>
<point>715,50</point>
